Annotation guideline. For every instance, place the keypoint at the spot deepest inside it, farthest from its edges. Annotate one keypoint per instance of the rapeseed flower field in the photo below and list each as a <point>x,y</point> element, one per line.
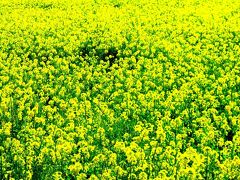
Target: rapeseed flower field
<point>119,89</point>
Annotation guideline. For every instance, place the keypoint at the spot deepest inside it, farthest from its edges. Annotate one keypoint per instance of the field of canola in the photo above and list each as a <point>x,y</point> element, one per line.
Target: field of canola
<point>119,89</point>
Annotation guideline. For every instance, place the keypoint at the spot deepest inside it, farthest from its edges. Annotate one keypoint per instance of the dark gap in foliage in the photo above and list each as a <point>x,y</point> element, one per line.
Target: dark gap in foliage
<point>190,163</point>
<point>44,5</point>
<point>229,136</point>
<point>110,56</point>
<point>88,176</point>
<point>93,55</point>
<point>89,86</point>
<point>1,172</point>
<point>49,98</point>
<point>84,51</point>
<point>117,5</point>
<point>220,148</point>
<point>37,171</point>
<point>220,109</point>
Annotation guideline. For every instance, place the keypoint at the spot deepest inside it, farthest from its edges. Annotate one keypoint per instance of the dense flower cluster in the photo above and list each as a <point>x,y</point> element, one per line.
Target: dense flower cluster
<point>119,89</point>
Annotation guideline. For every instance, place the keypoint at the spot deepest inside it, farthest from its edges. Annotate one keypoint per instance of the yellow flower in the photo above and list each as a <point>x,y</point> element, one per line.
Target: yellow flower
<point>57,176</point>
<point>143,176</point>
<point>75,168</point>
<point>113,159</point>
<point>40,120</point>
<point>7,128</point>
